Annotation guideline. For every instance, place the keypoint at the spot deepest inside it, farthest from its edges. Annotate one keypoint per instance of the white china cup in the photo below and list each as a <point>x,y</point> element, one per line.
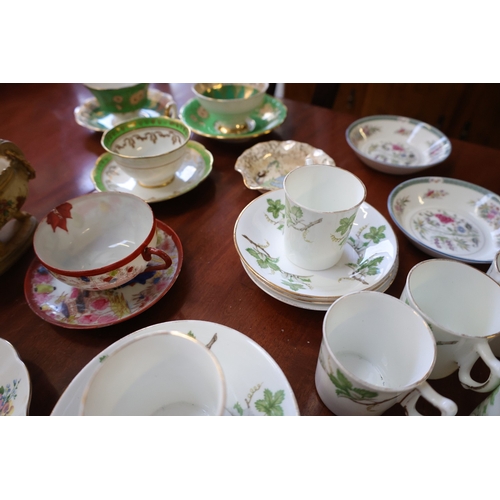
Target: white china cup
<point>321,203</point>
<point>99,240</point>
<point>162,373</point>
<point>376,352</point>
<point>461,306</point>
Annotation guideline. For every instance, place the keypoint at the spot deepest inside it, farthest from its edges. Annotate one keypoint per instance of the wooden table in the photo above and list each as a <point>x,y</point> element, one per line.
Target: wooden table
<point>212,285</point>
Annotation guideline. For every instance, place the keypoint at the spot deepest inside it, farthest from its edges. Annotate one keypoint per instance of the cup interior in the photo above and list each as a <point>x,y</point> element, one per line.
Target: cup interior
<point>228,91</point>
<point>379,340</point>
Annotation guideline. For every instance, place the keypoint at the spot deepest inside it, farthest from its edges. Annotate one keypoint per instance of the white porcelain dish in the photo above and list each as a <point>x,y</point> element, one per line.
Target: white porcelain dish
<point>448,218</point>
<point>396,144</point>
<point>265,165</point>
<point>256,385</point>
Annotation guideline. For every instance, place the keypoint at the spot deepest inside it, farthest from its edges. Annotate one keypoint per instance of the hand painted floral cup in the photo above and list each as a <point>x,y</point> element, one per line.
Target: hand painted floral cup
<point>99,241</point>
<point>461,306</point>
<point>163,373</point>
<point>230,103</point>
<point>321,203</point>
<point>119,97</point>
<point>376,352</point>
<point>149,149</point>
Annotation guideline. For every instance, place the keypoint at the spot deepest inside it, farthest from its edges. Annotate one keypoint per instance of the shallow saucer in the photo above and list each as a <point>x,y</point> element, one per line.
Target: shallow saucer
<point>69,307</point>
<point>449,218</point>
<point>262,121</point>
<point>196,166</point>
<point>256,385</point>
<point>91,116</point>
<point>265,165</point>
<point>15,385</point>
<point>367,261</point>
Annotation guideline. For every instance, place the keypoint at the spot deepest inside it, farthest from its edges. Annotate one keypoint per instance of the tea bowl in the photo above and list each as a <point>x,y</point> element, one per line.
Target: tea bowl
<point>99,240</point>
<point>119,97</point>
<point>230,103</point>
<point>149,149</point>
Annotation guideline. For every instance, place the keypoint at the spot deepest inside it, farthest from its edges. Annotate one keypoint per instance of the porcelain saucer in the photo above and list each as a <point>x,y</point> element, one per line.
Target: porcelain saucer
<point>69,307</point>
<point>15,385</point>
<point>90,115</point>
<point>256,385</point>
<point>196,166</point>
<point>262,121</point>
<point>367,261</point>
<point>448,218</point>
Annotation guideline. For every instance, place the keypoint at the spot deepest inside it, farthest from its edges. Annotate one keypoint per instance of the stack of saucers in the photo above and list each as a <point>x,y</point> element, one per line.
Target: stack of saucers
<point>369,260</point>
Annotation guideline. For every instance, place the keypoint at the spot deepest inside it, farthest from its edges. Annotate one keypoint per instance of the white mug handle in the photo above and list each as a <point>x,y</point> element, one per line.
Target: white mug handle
<point>446,406</point>
<point>481,350</point>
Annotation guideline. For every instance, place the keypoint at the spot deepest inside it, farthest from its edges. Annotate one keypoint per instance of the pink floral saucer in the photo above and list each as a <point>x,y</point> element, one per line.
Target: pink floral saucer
<point>71,307</point>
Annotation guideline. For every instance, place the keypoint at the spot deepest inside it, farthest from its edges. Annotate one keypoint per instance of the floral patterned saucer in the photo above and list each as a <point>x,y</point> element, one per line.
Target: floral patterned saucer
<point>71,307</point>
<point>368,260</point>
<point>15,386</point>
<point>256,384</point>
<point>262,121</point>
<point>90,115</point>
<point>196,166</point>
<point>448,218</point>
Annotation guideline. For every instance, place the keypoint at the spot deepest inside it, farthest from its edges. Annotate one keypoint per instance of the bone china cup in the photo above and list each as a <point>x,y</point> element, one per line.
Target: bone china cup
<point>461,306</point>
<point>321,203</point>
<point>119,97</point>
<point>149,149</point>
<point>161,373</point>
<point>99,240</point>
<point>376,352</point>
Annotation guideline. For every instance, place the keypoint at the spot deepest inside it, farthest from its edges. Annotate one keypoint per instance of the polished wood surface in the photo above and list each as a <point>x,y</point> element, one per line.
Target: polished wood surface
<point>212,285</point>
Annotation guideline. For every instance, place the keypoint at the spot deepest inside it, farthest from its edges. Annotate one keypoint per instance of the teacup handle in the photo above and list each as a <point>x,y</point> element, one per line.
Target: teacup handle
<point>171,110</point>
<point>446,406</point>
<point>147,254</point>
<point>481,350</point>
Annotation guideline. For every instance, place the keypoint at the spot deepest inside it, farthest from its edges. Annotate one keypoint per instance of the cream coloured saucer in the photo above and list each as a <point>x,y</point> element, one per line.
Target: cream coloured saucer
<point>256,384</point>
<point>196,166</point>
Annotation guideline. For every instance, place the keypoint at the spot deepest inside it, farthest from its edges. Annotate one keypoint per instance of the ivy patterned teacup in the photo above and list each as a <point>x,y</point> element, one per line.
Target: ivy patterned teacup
<point>119,97</point>
<point>376,352</point>
<point>99,240</point>
<point>461,306</point>
<point>164,373</point>
<point>321,203</point>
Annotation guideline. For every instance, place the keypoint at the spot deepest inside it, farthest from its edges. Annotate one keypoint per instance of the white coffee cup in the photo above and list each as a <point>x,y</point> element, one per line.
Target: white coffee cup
<point>160,373</point>
<point>321,203</point>
<point>461,305</point>
<point>376,352</point>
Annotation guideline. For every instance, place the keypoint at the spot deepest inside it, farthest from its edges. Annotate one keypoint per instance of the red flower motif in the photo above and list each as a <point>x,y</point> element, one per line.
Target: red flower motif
<point>57,217</point>
<point>397,148</point>
<point>444,218</point>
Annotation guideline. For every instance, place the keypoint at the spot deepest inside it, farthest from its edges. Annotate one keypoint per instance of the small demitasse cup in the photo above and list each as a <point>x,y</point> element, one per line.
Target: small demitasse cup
<point>99,241</point>
<point>149,149</point>
<point>231,103</point>
<point>321,203</point>
<point>119,97</point>
<point>461,306</point>
<point>376,352</point>
<point>162,373</point>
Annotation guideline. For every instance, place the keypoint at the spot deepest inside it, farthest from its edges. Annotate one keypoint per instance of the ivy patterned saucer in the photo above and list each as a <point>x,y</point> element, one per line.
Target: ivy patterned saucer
<point>196,166</point>
<point>15,385</point>
<point>265,165</point>
<point>448,218</point>
<point>262,121</point>
<point>91,116</point>
<point>256,384</point>
<point>396,144</point>
<point>368,260</point>
<point>69,307</point>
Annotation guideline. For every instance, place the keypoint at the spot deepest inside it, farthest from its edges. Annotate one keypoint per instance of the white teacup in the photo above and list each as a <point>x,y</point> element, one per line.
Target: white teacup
<point>321,203</point>
<point>461,305</point>
<point>376,352</point>
<point>160,373</point>
<point>99,240</point>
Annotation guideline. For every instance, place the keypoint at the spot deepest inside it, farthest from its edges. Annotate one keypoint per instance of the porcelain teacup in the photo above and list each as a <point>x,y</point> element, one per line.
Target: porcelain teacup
<point>161,373</point>
<point>119,97</point>
<point>149,149</point>
<point>230,103</point>
<point>99,240</point>
<point>461,306</point>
